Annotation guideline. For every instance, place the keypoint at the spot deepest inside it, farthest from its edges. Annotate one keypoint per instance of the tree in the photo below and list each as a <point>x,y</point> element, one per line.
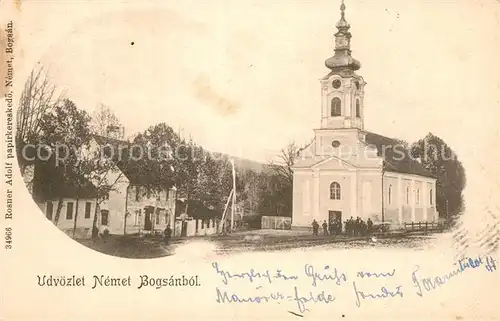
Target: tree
<point>287,158</point>
<point>248,185</point>
<point>157,145</point>
<point>37,99</point>
<point>103,120</point>
<point>64,131</point>
<point>439,159</point>
<point>100,169</point>
<point>279,191</point>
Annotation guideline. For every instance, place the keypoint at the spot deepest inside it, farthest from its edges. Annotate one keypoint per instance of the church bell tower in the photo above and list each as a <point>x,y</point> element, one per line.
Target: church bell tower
<point>342,90</point>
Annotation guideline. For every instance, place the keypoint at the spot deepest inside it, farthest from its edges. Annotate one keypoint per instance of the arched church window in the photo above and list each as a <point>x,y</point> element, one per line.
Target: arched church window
<point>335,191</point>
<point>358,109</point>
<point>430,196</point>
<point>390,194</point>
<point>336,107</point>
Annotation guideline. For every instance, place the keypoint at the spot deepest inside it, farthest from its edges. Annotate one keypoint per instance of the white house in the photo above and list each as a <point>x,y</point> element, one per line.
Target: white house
<point>69,204</point>
<point>130,206</point>
<point>347,171</point>
<point>76,214</point>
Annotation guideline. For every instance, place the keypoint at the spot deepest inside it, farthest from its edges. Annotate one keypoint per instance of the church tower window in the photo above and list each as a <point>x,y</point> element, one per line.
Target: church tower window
<point>336,107</point>
<point>430,196</point>
<point>407,195</point>
<point>335,191</point>
<point>390,194</point>
<point>358,109</point>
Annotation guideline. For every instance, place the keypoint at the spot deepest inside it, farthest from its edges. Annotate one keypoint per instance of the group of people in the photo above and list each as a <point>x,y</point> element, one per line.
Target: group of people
<point>352,227</point>
<point>358,226</point>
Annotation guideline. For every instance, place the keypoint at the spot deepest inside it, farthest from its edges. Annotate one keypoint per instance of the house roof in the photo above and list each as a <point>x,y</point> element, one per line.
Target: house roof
<point>196,209</point>
<point>135,169</point>
<point>49,182</point>
<point>396,157</point>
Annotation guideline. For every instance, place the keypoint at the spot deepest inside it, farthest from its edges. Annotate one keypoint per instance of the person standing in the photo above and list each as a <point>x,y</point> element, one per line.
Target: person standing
<point>167,234</point>
<point>315,226</point>
<point>357,226</point>
<point>369,225</point>
<point>95,233</point>
<point>325,228</point>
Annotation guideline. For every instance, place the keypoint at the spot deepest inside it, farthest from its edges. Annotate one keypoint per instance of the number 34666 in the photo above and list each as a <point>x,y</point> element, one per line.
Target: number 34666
<point>8,238</point>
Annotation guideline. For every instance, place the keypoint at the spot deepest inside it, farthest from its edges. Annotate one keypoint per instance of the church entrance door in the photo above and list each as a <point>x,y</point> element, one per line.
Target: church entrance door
<point>334,215</point>
<point>335,220</point>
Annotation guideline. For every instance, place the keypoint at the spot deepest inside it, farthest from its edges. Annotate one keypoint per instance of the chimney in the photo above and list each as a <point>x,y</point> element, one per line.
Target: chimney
<point>117,132</point>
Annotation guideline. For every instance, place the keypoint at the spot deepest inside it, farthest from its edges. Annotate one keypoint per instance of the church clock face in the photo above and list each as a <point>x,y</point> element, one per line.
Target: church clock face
<point>341,42</point>
<point>335,144</point>
<point>336,84</point>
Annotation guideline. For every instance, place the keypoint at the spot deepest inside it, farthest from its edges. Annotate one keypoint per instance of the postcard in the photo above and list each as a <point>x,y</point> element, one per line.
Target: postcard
<point>250,160</point>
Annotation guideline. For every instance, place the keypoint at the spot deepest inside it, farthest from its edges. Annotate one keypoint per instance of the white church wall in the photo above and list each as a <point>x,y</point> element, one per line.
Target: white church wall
<point>302,199</point>
<point>406,195</point>
<point>432,214</point>
<point>392,200</point>
<point>411,200</point>
<point>327,204</point>
<point>369,195</point>
<point>417,200</point>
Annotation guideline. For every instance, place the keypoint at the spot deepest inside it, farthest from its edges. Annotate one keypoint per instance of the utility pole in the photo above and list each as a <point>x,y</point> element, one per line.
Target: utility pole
<point>234,195</point>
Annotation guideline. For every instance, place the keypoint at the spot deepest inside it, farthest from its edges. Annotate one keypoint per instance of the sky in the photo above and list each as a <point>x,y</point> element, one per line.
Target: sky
<point>242,77</point>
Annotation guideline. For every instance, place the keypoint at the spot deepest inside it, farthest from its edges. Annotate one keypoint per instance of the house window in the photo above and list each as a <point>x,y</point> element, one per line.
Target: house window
<point>157,218</point>
<point>418,196</point>
<point>407,195</point>
<point>104,217</point>
<point>88,206</point>
<point>335,191</point>
<point>137,220</point>
<point>166,195</point>
<point>69,210</point>
<point>137,193</point>
<point>390,194</point>
<point>430,196</point>
<point>358,109</point>
<point>336,107</point>
<point>49,211</point>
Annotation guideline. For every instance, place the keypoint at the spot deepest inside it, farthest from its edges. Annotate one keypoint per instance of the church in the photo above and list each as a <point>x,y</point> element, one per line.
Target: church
<point>347,171</point>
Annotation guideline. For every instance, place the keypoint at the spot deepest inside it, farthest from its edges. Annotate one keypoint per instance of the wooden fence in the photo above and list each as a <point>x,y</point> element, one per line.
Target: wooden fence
<point>276,222</point>
<point>423,226</point>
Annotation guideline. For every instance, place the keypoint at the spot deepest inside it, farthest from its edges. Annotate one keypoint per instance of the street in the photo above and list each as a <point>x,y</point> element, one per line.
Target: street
<point>145,246</point>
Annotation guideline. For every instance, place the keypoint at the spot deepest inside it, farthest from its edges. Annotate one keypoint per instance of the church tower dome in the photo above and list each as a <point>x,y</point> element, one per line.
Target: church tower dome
<point>342,59</point>
<point>342,89</point>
